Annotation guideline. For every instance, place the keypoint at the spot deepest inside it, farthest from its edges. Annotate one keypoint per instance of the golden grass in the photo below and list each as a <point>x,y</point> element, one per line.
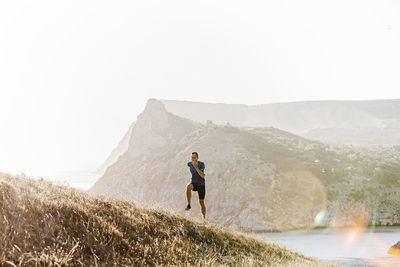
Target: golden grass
<point>42,224</point>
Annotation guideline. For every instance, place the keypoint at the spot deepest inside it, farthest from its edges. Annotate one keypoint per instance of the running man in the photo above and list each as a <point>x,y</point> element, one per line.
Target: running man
<point>197,183</point>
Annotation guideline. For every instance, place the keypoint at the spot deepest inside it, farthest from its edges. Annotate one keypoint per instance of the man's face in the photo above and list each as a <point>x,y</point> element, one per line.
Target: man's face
<point>194,158</point>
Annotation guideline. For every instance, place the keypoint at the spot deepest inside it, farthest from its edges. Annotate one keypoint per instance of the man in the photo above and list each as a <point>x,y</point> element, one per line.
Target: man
<point>197,169</point>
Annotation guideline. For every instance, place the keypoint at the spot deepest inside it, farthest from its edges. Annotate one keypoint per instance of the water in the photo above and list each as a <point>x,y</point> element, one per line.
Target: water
<point>344,246</point>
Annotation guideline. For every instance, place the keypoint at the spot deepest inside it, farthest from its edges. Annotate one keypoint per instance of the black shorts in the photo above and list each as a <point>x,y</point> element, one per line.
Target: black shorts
<point>201,189</point>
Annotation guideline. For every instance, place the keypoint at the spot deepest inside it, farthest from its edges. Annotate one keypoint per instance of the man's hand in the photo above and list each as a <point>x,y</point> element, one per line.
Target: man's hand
<point>195,164</point>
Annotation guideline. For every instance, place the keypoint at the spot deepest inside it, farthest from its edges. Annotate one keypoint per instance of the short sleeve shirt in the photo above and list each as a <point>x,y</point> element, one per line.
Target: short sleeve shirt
<point>196,178</point>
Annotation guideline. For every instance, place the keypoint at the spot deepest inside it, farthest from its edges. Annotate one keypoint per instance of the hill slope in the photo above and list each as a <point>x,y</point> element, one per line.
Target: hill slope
<point>42,224</point>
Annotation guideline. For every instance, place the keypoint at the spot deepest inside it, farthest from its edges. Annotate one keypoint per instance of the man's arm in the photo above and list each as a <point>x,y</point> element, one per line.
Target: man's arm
<point>200,172</point>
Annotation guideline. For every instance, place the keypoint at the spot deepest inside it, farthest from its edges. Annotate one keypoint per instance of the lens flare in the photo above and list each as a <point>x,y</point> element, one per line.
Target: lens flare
<point>299,201</point>
<point>319,218</point>
<point>353,215</point>
<point>354,234</point>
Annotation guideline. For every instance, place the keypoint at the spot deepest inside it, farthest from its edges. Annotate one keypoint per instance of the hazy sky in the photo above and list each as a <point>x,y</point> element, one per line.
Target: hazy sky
<point>75,74</point>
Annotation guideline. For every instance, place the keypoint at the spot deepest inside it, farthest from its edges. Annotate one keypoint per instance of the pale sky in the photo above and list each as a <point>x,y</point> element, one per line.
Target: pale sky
<point>75,74</point>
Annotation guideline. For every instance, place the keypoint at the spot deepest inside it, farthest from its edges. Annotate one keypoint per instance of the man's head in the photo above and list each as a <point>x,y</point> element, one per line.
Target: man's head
<point>195,156</point>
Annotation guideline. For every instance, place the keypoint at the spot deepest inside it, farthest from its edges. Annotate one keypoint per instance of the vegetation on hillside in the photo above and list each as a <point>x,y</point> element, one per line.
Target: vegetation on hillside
<point>351,175</point>
<point>47,225</point>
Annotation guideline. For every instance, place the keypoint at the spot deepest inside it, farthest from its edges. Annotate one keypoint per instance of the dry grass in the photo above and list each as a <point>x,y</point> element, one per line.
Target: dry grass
<point>46,225</point>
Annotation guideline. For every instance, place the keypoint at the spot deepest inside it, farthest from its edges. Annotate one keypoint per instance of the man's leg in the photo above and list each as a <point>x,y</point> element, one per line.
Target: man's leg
<point>203,207</point>
<point>189,189</point>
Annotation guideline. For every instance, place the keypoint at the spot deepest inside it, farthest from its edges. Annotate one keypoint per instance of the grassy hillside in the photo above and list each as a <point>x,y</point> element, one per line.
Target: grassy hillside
<point>46,225</point>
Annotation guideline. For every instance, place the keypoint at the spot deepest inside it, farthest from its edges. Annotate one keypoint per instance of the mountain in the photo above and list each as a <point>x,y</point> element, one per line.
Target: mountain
<point>372,122</point>
<point>317,120</point>
<point>152,134</point>
<point>389,135</point>
<point>46,225</point>
<point>259,178</point>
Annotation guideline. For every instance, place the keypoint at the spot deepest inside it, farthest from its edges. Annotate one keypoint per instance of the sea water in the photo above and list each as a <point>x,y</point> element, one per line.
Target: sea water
<point>366,246</point>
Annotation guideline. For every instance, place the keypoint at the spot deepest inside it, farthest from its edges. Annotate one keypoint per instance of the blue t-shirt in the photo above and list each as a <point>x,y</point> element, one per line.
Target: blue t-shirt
<point>196,178</point>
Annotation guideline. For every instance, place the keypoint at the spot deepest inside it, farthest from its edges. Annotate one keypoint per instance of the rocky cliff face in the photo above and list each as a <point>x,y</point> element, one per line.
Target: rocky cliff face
<point>256,178</point>
<point>151,142</point>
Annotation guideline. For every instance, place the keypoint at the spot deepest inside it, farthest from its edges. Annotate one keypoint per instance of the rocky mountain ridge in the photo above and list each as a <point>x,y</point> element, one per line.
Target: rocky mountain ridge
<point>375,121</point>
<point>372,122</point>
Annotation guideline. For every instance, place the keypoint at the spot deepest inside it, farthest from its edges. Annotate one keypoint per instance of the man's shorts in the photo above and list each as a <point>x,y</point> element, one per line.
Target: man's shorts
<point>201,189</point>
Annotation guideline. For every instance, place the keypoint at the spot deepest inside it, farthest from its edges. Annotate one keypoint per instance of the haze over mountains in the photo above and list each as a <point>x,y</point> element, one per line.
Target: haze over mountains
<point>372,122</point>
<point>353,122</point>
<point>258,178</point>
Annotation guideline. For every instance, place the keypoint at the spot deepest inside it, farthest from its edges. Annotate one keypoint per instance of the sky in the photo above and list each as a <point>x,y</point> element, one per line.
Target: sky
<point>75,74</point>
